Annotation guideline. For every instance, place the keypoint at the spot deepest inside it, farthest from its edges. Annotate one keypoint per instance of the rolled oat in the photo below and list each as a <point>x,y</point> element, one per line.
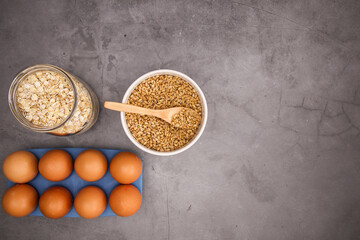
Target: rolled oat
<point>46,99</point>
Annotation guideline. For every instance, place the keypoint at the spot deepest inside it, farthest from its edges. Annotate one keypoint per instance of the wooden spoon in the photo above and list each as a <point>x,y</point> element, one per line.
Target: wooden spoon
<point>165,114</point>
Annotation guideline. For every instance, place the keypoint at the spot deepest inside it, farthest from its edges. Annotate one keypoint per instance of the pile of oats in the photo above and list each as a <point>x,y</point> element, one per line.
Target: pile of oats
<point>161,92</point>
<point>82,113</point>
<point>46,99</point>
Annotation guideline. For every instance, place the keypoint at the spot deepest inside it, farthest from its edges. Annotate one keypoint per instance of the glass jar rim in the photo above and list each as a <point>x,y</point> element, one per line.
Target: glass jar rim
<point>15,84</point>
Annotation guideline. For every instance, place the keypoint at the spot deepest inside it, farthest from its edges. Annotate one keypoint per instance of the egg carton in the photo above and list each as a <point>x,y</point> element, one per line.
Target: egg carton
<point>74,183</point>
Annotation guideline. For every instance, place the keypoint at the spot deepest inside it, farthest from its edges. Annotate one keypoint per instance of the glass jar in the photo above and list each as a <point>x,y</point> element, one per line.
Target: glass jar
<point>45,98</point>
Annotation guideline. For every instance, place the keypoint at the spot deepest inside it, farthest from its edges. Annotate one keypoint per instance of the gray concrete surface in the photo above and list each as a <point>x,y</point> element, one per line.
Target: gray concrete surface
<point>280,157</point>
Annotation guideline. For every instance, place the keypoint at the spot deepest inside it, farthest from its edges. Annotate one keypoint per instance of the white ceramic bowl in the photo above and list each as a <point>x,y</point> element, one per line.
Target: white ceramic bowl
<point>203,105</point>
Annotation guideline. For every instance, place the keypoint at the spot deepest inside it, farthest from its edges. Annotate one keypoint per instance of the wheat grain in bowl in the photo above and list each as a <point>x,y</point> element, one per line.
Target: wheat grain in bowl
<point>162,92</point>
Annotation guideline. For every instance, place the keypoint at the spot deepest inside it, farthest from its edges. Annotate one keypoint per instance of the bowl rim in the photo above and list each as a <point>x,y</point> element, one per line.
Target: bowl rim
<point>202,99</point>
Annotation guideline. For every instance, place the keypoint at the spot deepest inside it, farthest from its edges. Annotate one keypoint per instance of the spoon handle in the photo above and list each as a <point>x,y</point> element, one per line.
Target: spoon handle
<point>122,107</point>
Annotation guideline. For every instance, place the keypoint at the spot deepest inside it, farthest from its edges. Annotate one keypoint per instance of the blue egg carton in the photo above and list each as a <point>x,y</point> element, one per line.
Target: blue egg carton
<point>74,183</point>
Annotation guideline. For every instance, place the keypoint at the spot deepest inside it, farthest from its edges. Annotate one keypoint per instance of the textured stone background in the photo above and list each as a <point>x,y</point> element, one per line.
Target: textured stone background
<point>280,157</point>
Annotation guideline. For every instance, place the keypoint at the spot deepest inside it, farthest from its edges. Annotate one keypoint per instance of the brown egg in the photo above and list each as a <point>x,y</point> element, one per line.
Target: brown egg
<point>55,202</point>
<point>90,202</point>
<point>91,165</point>
<point>125,167</point>
<point>125,200</point>
<point>20,166</point>
<point>20,200</point>
<point>56,165</point>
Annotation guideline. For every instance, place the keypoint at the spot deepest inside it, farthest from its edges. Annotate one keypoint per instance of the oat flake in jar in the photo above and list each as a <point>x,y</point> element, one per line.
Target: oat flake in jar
<point>46,98</point>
